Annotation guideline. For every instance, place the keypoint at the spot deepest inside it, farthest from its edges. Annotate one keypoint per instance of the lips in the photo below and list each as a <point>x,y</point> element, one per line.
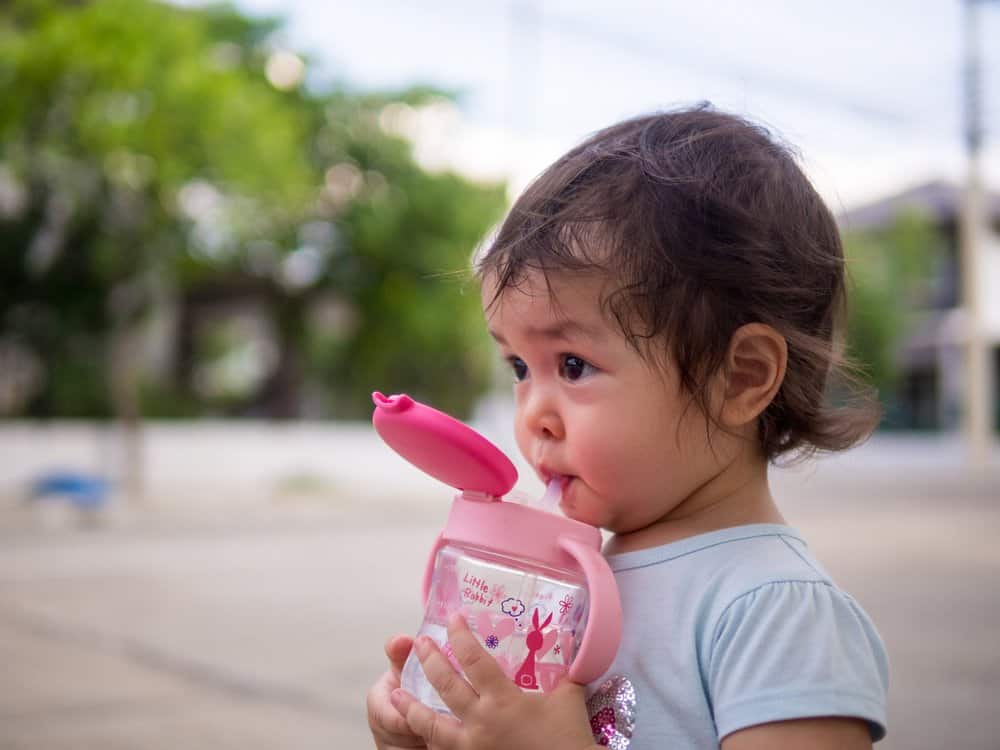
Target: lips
<point>567,486</point>
<point>569,501</point>
<point>547,475</point>
<point>565,480</point>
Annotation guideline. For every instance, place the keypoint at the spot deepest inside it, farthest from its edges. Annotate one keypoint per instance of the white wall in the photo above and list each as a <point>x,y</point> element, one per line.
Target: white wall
<point>248,462</point>
<point>989,286</point>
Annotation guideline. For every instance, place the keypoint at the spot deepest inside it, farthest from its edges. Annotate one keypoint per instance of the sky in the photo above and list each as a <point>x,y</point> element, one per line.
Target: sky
<point>870,93</point>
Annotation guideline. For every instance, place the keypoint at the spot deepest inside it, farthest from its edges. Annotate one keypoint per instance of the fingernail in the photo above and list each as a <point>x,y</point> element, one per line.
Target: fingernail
<point>456,620</point>
<point>422,645</point>
<point>397,697</point>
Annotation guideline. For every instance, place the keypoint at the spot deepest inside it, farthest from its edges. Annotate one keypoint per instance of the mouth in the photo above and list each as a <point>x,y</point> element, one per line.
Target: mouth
<point>566,503</point>
<point>548,475</point>
<point>565,481</point>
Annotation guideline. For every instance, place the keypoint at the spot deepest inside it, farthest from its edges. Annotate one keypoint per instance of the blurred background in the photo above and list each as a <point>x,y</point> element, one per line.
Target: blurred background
<point>223,226</point>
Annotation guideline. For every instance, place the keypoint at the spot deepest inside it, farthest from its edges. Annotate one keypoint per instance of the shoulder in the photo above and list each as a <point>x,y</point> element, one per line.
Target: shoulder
<point>707,574</point>
<point>757,548</point>
<point>772,582</point>
<point>792,616</point>
<point>747,625</point>
<point>780,555</point>
<point>783,642</point>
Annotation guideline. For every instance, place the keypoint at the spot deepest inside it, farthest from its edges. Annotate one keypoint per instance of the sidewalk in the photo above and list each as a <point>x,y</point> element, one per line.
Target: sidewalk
<point>259,637</point>
<point>263,629</point>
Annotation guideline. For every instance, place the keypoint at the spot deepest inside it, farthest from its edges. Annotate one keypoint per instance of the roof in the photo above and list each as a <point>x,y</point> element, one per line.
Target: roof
<point>938,199</point>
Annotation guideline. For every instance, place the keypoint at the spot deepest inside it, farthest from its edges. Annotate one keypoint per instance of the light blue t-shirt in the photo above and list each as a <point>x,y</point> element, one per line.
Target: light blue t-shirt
<point>735,628</point>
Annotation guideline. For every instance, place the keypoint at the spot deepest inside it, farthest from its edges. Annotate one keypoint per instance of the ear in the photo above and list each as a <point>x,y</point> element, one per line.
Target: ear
<point>755,368</point>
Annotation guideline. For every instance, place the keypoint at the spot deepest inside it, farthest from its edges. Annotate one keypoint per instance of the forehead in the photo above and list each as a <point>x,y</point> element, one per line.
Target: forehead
<point>548,303</point>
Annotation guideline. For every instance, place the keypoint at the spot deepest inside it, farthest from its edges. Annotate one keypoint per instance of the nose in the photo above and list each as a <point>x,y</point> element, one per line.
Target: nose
<point>539,414</point>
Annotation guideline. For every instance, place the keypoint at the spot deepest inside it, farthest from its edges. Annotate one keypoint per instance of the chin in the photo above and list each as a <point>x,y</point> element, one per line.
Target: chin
<point>570,511</point>
<point>578,508</point>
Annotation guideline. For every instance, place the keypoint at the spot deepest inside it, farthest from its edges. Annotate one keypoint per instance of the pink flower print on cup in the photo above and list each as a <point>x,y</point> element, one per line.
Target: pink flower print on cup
<point>492,633</point>
<point>564,604</point>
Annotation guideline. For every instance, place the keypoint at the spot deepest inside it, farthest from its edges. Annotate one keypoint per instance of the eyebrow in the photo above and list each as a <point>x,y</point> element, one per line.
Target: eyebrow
<point>561,331</point>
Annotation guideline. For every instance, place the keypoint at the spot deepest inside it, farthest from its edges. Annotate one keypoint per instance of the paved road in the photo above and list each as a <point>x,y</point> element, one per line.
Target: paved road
<point>168,631</point>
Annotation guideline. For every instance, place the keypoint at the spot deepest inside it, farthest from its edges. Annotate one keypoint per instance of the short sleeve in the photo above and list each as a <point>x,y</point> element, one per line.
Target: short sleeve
<point>794,650</point>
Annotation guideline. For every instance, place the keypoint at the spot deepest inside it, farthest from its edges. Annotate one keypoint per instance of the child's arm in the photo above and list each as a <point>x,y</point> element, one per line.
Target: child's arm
<point>817,734</point>
<point>389,729</point>
<point>494,713</point>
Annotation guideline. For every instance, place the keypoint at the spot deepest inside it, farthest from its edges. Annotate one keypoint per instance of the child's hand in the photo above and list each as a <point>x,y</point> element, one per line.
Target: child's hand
<point>389,728</point>
<point>494,712</point>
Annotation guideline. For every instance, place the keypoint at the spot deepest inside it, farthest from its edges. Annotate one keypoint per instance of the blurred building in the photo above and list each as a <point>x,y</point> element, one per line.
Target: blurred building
<point>930,357</point>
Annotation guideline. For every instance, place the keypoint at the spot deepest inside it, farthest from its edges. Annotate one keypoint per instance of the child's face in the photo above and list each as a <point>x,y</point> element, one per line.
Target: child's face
<point>592,410</point>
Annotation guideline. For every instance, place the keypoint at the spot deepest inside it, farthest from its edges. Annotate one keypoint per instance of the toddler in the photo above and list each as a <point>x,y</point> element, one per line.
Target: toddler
<point>668,295</point>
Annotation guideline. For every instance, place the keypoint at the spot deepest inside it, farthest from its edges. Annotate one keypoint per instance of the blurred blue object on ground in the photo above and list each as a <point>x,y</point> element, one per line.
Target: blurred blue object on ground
<point>86,492</point>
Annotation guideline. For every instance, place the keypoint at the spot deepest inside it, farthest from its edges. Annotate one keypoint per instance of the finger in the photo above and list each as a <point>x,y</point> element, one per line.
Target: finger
<point>454,689</point>
<point>385,721</point>
<point>570,695</point>
<point>439,731</point>
<point>482,669</point>
<point>397,649</point>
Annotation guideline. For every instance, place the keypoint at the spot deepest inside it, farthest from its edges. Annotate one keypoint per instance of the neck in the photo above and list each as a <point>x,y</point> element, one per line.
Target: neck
<point>738,494</point>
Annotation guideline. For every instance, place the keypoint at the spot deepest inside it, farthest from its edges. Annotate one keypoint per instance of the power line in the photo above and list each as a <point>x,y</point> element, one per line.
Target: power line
<point>644,49</point>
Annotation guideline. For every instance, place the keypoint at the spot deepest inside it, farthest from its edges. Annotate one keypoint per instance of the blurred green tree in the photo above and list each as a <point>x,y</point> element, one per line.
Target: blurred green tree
<point>889,276</point>
<point>154,156</point>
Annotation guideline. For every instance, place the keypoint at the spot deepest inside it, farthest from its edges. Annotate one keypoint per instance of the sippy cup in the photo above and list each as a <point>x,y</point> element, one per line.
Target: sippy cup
<point>532,585</point>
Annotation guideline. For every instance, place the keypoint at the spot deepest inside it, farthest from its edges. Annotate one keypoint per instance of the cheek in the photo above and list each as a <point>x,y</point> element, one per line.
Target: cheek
<point>521,437</point>
<point>601,454</point>
<point>630,456</point>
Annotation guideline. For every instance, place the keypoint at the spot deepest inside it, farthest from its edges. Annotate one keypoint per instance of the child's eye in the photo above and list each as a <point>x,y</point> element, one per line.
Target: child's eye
<point>574,368</point>
<point>519,367</point>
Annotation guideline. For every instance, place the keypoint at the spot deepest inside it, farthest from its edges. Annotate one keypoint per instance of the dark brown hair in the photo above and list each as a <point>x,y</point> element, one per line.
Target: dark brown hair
<point>706,223</point>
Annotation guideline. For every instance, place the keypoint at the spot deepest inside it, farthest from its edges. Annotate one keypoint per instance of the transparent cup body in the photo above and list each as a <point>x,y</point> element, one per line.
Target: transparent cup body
<point>529,617</point>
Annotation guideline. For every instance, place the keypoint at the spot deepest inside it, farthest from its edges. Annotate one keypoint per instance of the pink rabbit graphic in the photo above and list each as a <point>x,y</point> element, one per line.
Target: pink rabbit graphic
<point>535,640</point>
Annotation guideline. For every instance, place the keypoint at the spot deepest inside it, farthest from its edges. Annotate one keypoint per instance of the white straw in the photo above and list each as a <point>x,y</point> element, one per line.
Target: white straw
<point>553,492</point>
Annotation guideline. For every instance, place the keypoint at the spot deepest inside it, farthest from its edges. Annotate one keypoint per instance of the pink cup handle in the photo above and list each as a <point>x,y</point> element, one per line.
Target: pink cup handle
<point>429,569</point>
<point>604,623</point>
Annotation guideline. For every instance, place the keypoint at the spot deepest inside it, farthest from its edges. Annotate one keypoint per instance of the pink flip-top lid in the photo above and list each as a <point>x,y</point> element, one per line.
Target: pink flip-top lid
<point>442,446</point>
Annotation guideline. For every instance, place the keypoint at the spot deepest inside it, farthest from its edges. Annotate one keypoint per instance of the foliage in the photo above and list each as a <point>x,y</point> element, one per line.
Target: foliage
<point>890,272</point>
<point>147,161</point>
